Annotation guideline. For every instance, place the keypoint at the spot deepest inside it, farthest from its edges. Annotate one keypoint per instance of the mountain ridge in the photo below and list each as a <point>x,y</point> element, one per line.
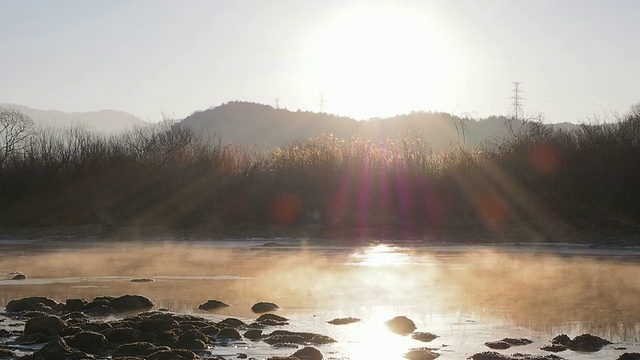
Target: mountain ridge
<point>106,120</point>
<point>248,124</point>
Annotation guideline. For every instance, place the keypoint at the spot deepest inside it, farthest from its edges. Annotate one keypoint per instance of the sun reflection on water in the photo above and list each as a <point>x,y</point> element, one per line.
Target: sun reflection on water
<point>380,255</point>
<point>371,339</point>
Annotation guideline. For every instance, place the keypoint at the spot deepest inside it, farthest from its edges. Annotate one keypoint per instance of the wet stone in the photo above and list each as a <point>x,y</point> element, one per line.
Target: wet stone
<point>629,356</point>
<point>343,321</point>
<point>421,354</point>
<point>212,305</point>
<point>424,336</point>
<point>29,304</point>
<point>497,345</point>
<point>308,353</point>
<point>554,348</point>
<point>254,334</point>
<point>401,325</point>
<point>561,340</point>
<point>587,343</point>
<point>229,333</point>
<point>47,325</point>
<point>263,307</point>
<point>7,354</point>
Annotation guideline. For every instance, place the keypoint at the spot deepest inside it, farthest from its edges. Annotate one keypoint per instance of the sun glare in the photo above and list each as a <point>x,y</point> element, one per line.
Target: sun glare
<point>380,255</point>
<point>382,59</point>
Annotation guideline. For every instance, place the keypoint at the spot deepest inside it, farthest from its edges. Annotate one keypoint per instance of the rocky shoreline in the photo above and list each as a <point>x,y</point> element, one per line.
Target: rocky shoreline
<point>126,328</point>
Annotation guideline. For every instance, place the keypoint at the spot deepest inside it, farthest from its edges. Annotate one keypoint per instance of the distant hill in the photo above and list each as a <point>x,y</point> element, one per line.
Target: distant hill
<point>106,121</point>
<point>250,123</point>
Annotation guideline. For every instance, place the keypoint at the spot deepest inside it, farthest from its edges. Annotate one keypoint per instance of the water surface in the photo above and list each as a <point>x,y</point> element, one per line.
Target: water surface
<point>465,294</point>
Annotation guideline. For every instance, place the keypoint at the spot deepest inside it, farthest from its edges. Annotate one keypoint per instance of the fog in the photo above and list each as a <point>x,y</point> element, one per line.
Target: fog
<point>538,291</point>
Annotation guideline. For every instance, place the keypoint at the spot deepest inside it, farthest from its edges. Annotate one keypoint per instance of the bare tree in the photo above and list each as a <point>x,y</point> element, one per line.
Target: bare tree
<point>15,127</point>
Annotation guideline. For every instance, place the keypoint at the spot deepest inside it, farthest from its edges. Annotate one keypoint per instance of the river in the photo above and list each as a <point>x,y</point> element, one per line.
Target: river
<point>465,294</point>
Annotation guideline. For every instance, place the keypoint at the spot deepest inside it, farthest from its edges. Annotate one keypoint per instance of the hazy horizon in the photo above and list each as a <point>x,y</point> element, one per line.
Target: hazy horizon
<point>574,59</point>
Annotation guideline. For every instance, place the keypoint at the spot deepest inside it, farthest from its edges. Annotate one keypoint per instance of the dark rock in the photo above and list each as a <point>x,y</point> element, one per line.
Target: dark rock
<point>193,339</point>
<point>517,341</point>
<point>291,338</point>
<point>489,355</point>
<point>229,333</point>
<point>212,305</point>
<point>587,343</point>
<point>283,358</point>
<point>343,321</point>
<point>232,322</point>
<point>421,354</point>
<point>497,345</point>
<point>253,334</point>
<point>272,318</point>
<point>70,331</point>
<point>31,339</point>
<point>563,339</point>
<point>263,307</point>
<point>554,348</point>
<point>210,330</point>
<point>128,303</point>
<point>138,349</point>
<point>75,304</point>
<point>175,354</point>
<point>33,314</point>
<point>29,304</point>
<point>321,340</point>
<point>120,335</point>
<point>142,280</point>
<point>58,349</point>
<point>308,353</point>
<point>7,354</point>
<point>155,323</point>
<point>629,356</point>
<point>75,316</point>
<point>18,276</point>
<point>284,336</point>
<point>4,333</point>
<point>47,325</point>
<point>242,356</point>
<point>88,341</point>
<point>401,325</point>
<point>424,336</point>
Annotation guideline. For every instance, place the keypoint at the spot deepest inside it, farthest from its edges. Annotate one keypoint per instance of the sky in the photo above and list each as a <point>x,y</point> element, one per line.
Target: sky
<point>576,60</point>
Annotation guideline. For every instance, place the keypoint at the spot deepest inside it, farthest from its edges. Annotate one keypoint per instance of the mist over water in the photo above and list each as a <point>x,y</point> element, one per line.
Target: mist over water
<point>549,292</point>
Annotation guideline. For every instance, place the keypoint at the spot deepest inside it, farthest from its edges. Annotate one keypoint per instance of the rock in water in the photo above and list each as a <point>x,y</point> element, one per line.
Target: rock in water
<point>29,304</point>
<point>128,303</point>
<point>343,321</point>
<point>58,349</point>
<point>424,336</point>
<point>587,343</point>
<point>263,307</point>
<point>629,356</point>
<point>308,353</point>
<point>18,276</point>
<point>212,305</point>
<point>401,325</point>
<point>421,354</point>
<point>47,325</point>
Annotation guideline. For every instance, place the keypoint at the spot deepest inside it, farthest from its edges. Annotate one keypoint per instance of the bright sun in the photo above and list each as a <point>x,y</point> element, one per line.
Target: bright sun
<point>381,59</point>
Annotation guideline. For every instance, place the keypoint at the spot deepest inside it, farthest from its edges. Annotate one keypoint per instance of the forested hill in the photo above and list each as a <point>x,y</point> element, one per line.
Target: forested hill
<point>249,124</point>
